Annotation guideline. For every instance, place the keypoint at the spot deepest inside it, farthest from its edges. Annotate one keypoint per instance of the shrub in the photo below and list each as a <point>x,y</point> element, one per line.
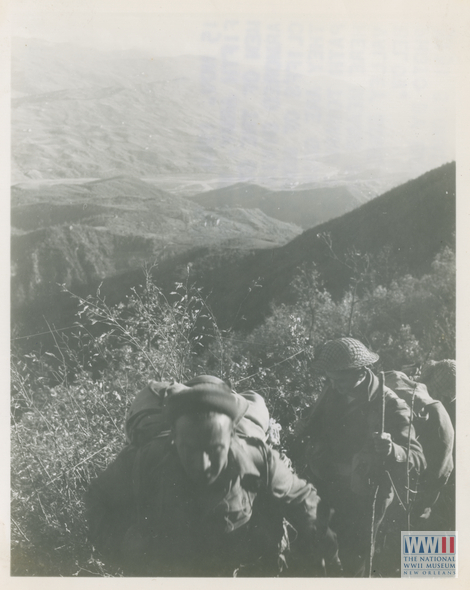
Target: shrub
<point>60,439</point>
<point>68,404</point>
<point>67,417</point>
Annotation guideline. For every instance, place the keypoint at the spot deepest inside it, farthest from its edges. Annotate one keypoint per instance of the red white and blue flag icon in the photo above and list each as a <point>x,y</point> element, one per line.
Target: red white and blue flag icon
<point>427,543</point>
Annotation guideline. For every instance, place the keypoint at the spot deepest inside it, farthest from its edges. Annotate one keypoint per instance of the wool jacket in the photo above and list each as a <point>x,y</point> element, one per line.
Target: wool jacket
<point>338,437</point>
<point>146,495</point>
<point>336,445</point>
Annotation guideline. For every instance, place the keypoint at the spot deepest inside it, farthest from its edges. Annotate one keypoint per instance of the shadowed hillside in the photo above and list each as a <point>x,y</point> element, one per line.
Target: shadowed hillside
<point>412,222</point>
<point>306,208</point>
<point>78,235</point>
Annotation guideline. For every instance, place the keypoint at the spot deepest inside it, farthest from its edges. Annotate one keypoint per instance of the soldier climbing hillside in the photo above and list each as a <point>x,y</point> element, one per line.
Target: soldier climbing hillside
<point>203,501</point>
<point>357,445</point>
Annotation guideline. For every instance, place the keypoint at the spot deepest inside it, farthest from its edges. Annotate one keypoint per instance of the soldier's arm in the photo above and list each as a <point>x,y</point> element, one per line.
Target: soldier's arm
<point>301,506</point>
<point>397,423</point>
<point>298,498</point>
<point>109,506</point>
<point>438,445</point>
<point>440,460</point>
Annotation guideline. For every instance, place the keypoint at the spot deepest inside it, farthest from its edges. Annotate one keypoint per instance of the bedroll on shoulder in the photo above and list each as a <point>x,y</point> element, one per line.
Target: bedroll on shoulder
<point>146,418</point>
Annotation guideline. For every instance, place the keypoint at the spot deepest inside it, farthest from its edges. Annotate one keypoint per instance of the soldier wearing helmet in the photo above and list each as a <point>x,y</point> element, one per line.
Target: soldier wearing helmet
<point>440,380</point>
<point>345,454</point>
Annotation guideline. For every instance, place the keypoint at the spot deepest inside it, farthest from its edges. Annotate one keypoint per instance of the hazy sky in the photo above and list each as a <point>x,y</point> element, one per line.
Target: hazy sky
<point>403,47</point>
<point>403,52</point>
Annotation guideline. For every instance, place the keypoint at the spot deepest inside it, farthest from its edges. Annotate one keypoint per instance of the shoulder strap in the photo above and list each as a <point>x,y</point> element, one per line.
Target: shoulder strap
<point>256,453</point>
<point>266,472</point>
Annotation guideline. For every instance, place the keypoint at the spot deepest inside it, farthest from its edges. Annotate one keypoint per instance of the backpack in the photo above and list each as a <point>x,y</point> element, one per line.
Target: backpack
<point>413,393</point>
<point>432,424</point>
<point>146,418</point>
<point>147,422</point>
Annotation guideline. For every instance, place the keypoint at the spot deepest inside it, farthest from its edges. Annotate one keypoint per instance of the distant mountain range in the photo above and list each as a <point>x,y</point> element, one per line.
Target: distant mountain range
<point>81,113</point>
<point>106,146</point>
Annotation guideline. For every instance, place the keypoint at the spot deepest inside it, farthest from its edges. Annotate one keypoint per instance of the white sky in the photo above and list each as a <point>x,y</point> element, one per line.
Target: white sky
<point>358,45</point>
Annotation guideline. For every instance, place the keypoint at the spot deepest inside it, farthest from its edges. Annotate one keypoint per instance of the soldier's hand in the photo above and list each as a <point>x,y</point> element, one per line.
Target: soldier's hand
<point>382,444</point>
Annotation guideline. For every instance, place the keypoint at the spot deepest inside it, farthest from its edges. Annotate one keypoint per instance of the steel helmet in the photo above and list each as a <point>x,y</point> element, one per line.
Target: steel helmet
<point>344,353</point>
<point>439,377</point>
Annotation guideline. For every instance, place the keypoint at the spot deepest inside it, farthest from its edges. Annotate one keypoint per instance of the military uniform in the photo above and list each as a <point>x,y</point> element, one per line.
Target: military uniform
<point>340,460</point>
<point>435,434</point>
<point>146,515</point>
<point>440,379</point>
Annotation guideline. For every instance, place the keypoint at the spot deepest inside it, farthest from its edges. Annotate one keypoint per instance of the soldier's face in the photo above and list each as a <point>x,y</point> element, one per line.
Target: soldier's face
<point>203,444</point>
<point>347,380</point>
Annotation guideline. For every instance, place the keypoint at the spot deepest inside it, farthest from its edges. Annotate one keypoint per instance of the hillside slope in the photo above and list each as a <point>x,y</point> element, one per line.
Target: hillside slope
<point>412,222</point>
<point>78,235</point>
<point>306,208</point>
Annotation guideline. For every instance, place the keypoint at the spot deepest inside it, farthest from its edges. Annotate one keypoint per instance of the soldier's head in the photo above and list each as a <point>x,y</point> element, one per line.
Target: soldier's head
<point>440,379</point>
<point>203,417</point>
<point>344,361</point>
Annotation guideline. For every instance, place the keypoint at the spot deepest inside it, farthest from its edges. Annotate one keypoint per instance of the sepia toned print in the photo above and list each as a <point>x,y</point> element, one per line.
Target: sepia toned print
<point>233,262</point>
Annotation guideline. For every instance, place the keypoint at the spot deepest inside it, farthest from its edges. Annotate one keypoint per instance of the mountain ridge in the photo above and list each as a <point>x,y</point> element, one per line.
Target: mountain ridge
<point>78,235</point>
<point>411,223</point>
